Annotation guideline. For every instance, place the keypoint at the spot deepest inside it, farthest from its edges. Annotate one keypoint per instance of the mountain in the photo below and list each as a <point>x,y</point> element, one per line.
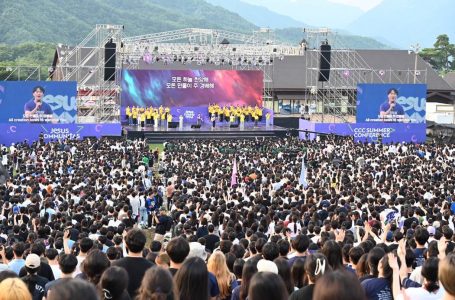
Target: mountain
<point>406,22</point>
<point>315,12</point>
<point>258,15</point>
<point>338,41</point>
<point>35,27</point>
<point>67,21</point>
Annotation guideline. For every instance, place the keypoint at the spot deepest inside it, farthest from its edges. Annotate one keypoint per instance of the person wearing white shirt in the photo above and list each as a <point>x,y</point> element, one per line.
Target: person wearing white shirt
<point>135,204</point>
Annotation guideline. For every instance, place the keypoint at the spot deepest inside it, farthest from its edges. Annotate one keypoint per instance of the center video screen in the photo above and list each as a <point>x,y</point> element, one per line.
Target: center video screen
<point>191,88</point>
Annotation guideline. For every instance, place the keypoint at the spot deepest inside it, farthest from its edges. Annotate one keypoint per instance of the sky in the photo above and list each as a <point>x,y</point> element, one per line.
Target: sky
<point>364,5</point>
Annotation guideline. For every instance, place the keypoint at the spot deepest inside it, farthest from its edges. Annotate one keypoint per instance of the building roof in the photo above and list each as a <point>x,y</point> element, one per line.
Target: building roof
<point>450,79</point>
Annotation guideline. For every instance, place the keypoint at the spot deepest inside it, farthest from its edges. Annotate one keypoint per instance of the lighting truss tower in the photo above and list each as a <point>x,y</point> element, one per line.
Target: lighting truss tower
<point>335,99</point>
<point>98,99</point>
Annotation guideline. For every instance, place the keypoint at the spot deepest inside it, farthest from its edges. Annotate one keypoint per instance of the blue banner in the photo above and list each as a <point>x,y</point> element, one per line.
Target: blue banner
<point>369,132</point>
<point>38,102</point>
<point>15,133</point>
<point>392,103</point>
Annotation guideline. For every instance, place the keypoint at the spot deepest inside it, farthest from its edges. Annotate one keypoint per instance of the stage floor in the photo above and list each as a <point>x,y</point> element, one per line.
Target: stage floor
<point>221,131</point>
<point>205,127</point>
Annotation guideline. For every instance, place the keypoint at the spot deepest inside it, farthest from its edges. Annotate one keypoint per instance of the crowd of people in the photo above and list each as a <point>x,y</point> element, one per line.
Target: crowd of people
<point>276,218</point>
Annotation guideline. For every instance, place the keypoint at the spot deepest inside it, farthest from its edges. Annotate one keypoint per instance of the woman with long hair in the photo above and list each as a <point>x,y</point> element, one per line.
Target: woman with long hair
<point>316,265</point>
<point>192,280</point>
<point>93,266</point>
<point>157,284</point>
<point>361,269</point>
<point>430,289</point>
<point>226,280</point>
<point>446,275</point>
<point>332,251</point>
<point>14,289</point>
<point>295,226</point>
<point>381,285</point>
<point>113,284</point>
<point>284,270</point>
<point>249,269</point>
<point>298,272</point>
<point>267,286</point>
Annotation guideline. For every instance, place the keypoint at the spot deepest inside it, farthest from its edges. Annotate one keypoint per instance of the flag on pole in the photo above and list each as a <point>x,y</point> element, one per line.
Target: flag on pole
<point>234,174</point>
<point>302,179</point>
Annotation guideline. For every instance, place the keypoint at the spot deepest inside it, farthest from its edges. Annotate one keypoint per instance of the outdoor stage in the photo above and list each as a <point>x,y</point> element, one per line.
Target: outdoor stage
<point>221,131</point>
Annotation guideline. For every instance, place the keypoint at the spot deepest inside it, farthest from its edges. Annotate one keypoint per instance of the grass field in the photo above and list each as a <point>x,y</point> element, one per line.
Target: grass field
<point>153,147</point>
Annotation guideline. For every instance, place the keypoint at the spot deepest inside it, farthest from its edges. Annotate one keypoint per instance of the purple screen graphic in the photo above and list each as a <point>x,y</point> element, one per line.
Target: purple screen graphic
<point>191,88</point>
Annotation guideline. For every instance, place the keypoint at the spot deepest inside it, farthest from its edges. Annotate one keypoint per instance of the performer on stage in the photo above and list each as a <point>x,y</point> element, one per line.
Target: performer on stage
<point>267,119</point>
<point>226,114</point>
<point>199,119</point>
<point>167,111</point>
<point>134,115</point>
<point>181,122</point>
<point>128,115</point>
<point>242,121</point>
<point>258,111</point>
<point>162,119</point>
<point>231,119</point>
<point>256,119</point>
<point>142,120</point>
<point>149,116</point>
<point>169,120</point>
<point>156,118</point>
<point>213,119</point>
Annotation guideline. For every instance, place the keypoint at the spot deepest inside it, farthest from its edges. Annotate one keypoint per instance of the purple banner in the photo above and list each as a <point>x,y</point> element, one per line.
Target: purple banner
<point>369,132</point>
<point>10,133</point>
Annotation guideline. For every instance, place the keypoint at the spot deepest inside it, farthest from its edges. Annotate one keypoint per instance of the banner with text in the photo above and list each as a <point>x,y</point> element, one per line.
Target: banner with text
<point>15,133</point>
<point>369,132</point>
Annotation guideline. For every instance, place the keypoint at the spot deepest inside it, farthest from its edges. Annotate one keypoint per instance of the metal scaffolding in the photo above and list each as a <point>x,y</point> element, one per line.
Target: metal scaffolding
<point>98,96</point>
<point>99,99</point>
<point>333,100</point>
<point>235,51</point>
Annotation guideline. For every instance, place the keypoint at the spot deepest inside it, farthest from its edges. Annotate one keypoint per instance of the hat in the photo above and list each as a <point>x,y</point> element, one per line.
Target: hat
<point>162,208</point>
<point>436,224</point>
<point>389,237</point>
<point>267,266</point>
<point>325,203</point>
<point>431,230</point>
<point>32,261</point>
<point>197,250</point>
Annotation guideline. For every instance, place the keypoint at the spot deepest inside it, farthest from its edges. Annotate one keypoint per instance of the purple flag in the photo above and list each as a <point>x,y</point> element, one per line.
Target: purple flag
<point>234,174</point>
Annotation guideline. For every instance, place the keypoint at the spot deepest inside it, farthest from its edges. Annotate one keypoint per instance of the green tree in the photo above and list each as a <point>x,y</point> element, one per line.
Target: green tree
<point>442,56</point>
